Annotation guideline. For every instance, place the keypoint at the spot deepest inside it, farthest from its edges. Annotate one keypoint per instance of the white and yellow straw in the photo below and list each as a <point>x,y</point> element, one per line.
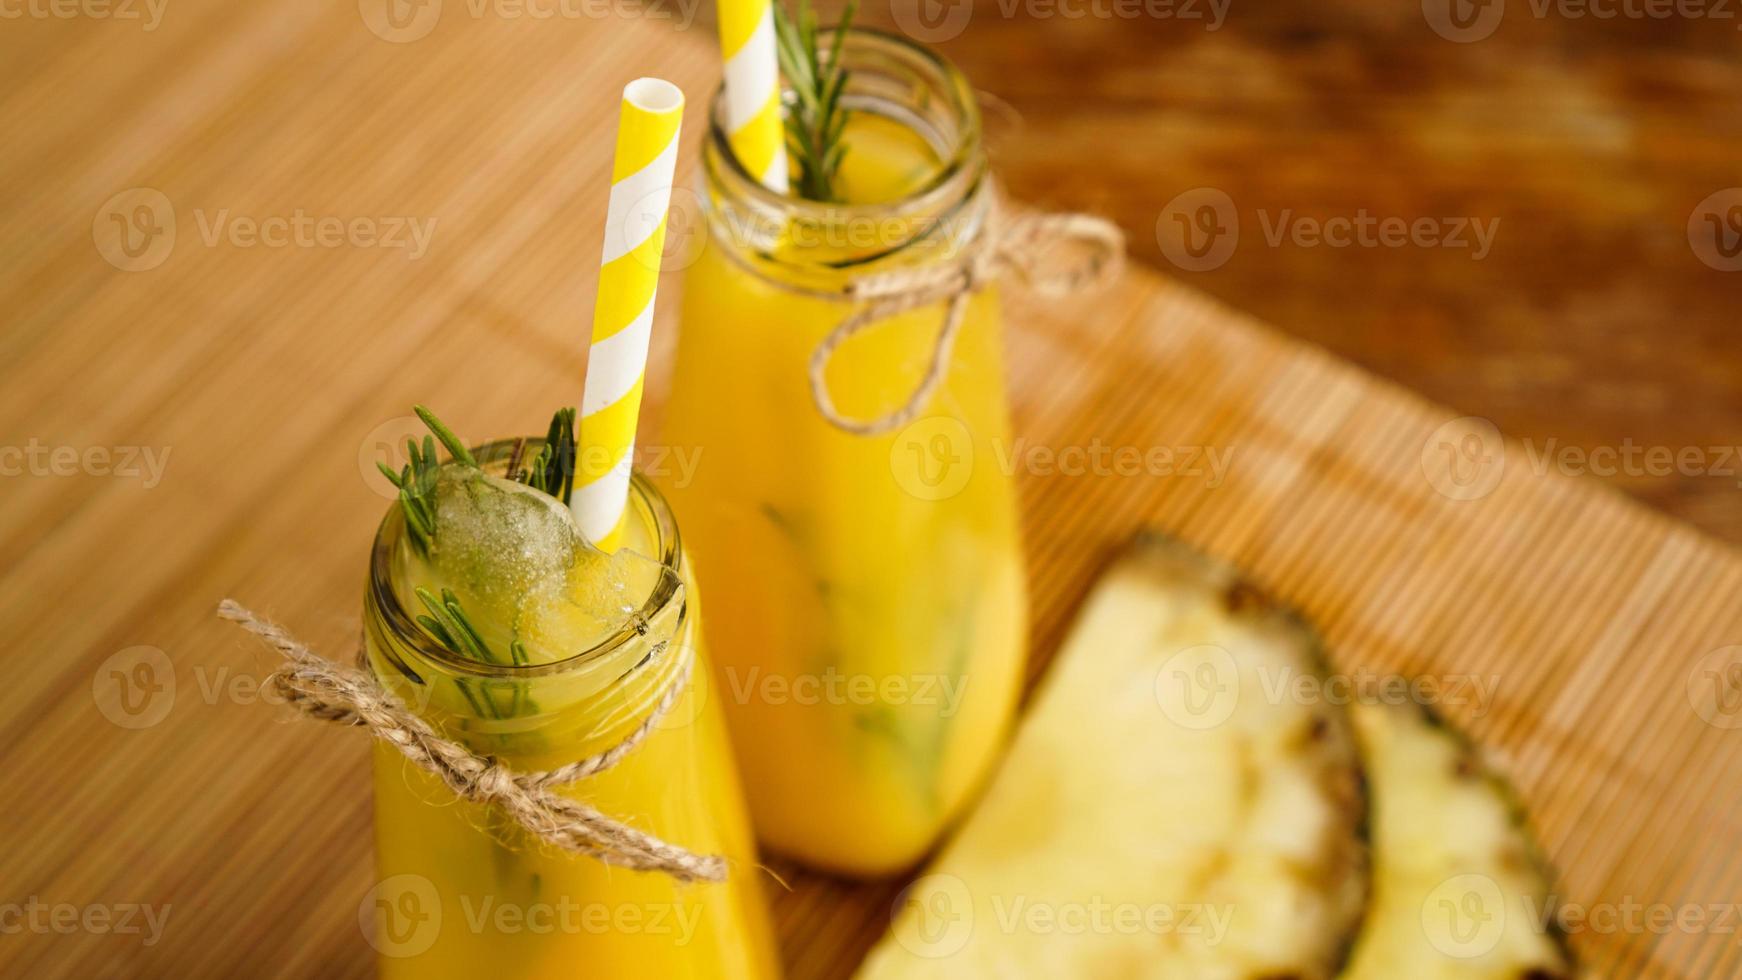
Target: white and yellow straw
<point>641,179</point>
<point>753,121</point>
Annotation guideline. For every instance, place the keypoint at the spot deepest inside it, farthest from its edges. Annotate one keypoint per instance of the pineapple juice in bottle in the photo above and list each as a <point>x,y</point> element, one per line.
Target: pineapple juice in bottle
<point>463,891</point>
<point>866,592</point>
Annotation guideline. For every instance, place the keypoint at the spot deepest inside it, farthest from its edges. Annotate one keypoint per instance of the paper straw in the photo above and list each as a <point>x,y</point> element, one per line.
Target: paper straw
<point>623,314</point>
<point>753,123</point>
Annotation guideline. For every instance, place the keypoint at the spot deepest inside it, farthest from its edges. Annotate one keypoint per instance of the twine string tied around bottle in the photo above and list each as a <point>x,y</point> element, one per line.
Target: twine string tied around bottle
<point>1025,246</point>
<point>323,689</point>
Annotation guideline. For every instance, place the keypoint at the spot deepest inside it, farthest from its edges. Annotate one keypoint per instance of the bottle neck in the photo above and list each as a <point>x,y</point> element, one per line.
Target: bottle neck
<point>561,705</point>
<point>913,116</point>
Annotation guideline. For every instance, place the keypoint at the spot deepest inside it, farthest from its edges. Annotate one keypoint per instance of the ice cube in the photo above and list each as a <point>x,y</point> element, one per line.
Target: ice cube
<point>502,541</point>
<point>522,571</point>
<point>601,594</point>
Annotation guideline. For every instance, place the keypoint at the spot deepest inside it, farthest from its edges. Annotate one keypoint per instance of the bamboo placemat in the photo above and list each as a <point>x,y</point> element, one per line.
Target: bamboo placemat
<point>263,378</point>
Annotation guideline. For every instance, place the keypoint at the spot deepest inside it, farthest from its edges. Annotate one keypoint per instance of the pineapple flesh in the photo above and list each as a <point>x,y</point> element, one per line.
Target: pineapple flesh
<point>1458,890</point>
<point>1166,811</point>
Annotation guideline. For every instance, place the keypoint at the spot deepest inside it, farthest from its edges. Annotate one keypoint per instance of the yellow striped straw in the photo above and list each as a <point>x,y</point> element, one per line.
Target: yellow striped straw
<point>753,124</point>
<point>623,313</point>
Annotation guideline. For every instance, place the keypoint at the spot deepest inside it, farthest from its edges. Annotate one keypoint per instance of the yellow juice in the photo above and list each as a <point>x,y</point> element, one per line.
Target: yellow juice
<point>464,892</point>
<point>867,604</point>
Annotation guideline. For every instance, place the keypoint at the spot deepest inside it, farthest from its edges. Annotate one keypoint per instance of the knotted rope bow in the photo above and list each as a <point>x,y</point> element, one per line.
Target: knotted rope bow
<point>322,689</point>
<point>1018,246</point>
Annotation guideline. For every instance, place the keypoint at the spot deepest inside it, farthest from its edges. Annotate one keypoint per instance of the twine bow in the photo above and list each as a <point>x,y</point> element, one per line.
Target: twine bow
<point>322,689</point>
<point>1020,246</point>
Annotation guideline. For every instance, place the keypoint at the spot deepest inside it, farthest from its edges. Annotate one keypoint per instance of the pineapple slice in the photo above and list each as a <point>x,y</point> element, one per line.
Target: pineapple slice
<point>1458,891</point>
<point>1166,811</point>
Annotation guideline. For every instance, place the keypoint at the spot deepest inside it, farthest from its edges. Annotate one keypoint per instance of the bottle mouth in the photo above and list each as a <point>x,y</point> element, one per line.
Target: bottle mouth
<point>646,505</point>
<point>891,77</point>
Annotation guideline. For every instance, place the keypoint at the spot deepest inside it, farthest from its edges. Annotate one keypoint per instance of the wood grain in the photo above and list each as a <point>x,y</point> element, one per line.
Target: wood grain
<point>1589,323</point>
<point>270,376</point>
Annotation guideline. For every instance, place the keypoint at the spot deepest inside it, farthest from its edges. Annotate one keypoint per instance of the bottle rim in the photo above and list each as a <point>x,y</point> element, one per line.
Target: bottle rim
<point>644,500</point>
<point>932,82</point>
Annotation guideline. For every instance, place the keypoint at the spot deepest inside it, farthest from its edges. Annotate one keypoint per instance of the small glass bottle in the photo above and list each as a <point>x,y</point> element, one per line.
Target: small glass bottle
<point>868,592</point>
<point>463,891</point>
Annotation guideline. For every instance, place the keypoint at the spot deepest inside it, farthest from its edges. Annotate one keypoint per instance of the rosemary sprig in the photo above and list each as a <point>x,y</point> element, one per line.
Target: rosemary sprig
<point>553,469</point>
<point>818,119</point>
<point>416,481</point>
<point>452,628</point>
<point>416,484</point>
<point>448,623</point>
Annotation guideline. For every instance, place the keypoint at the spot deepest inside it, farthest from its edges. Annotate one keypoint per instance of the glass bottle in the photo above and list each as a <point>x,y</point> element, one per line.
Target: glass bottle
<point>867,590</point>
<point>463,891</point>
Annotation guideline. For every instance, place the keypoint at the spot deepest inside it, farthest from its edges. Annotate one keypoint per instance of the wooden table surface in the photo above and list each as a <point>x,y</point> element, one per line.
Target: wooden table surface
<point>189,416</point>
<point>1591,321</point>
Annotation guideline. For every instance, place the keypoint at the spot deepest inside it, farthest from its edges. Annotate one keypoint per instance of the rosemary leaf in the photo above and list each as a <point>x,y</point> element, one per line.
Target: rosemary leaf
<point>817,119</point>
<point>553,469</point>
<point>472,699</point>
<point>464,631</point>
<point>455,447</point>
<point>437,630</point>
